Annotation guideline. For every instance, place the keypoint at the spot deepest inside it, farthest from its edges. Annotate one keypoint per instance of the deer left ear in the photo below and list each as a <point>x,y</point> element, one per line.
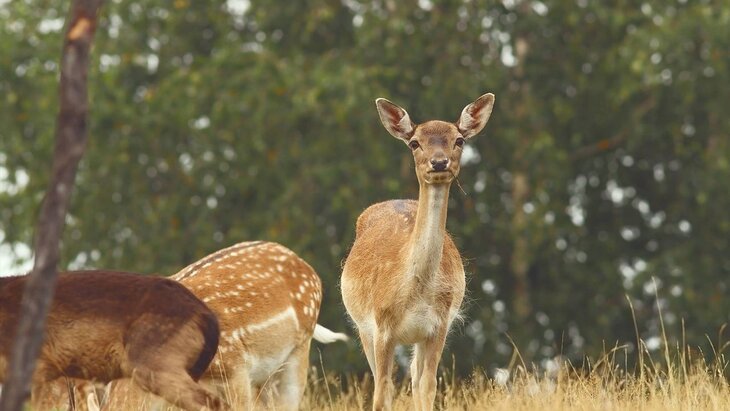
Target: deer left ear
<point>475,116</point>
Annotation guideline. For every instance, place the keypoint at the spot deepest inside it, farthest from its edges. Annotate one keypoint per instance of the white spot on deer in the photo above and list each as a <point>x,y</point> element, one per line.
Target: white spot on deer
<point>238,333</point>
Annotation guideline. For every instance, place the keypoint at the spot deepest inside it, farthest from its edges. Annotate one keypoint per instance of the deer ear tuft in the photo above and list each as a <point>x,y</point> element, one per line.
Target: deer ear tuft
<point>395,119</point>
<point>475,116</point>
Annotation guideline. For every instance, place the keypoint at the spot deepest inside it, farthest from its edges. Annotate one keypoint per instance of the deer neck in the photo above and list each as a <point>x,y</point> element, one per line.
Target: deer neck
<point>427,239</point>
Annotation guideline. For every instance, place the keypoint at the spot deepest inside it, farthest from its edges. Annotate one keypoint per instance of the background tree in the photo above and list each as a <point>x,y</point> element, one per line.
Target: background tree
<point>604,164</point>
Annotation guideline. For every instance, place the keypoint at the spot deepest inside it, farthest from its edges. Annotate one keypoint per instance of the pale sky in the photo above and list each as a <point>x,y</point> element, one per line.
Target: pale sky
<point>9,253</point>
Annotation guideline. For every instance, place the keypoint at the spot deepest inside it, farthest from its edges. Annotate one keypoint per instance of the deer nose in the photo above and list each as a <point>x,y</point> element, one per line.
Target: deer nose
<point>439,164</point>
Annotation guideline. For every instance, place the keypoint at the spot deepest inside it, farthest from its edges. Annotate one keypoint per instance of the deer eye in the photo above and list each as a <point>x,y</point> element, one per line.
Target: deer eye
<point>459,142</point>
<point>413,144</point>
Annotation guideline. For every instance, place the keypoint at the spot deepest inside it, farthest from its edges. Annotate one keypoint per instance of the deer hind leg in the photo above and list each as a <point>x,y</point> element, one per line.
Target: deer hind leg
<point>177,388</point>
<point>163,365</point>
<point>286,389</point>
<point>384,349</point>
<point>241,390</point>
<point>429,354</point>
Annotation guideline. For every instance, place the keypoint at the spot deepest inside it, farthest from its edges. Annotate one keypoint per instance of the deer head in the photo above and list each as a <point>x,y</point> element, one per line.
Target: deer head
<point>436,145</point>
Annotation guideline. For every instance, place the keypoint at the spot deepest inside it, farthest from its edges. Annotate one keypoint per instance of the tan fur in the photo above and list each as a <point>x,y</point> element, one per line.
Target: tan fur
<point>403,281</point>
<point>106,325</point>
<point>267,300</point>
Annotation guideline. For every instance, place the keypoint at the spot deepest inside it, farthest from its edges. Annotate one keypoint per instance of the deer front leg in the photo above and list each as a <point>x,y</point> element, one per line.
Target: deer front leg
<point>367,346</point>
<point>416,371</point>
<point>384,348</point>
<point>430,351</point>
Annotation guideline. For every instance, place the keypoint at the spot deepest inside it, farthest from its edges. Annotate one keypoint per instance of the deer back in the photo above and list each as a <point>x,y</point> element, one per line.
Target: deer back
<point>267,300</point>
<point>93,318</point>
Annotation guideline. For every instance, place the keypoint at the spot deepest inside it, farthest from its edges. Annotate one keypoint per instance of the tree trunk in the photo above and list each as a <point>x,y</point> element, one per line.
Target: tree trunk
<point>71,136</point>
<point>520,261</point>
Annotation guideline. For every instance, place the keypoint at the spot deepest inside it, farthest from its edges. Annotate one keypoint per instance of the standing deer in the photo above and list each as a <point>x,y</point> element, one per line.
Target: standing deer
<point>105,325</point>
<point>267,300</point>
<point>403,281</point>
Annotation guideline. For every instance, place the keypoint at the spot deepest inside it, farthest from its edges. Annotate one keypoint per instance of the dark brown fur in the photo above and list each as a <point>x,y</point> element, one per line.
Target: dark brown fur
<point>107,325</point>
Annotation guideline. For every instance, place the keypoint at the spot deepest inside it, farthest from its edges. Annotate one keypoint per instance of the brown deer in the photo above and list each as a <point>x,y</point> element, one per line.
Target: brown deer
<point>106,325</point>
<point>403,281</point>
<point>267,300</point>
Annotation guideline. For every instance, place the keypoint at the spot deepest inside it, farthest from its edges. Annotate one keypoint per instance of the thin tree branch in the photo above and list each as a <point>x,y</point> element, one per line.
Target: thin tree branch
<point>71,136</point>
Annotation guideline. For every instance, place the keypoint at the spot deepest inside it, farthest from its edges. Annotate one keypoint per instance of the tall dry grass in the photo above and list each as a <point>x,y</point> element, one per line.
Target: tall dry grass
<point>674,377</point>
<point>679,379</point>
<point>683,384</point>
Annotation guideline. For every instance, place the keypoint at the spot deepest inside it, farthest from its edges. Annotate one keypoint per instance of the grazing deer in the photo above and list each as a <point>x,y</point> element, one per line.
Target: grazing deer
<point>403,281</point>
<point>105,325</point>
<point>267,300</point>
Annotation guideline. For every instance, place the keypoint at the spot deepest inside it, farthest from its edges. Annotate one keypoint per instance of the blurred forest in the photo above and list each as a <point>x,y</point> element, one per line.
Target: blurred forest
<point>602,178</point>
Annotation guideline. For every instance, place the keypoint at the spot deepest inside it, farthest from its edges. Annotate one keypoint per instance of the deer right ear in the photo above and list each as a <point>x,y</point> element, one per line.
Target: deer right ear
<point>395,119</point>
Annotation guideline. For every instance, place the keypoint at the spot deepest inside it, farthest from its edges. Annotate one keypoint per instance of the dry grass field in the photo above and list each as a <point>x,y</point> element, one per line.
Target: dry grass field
<point>676,377</point>
<point>685,385</point>
<point>680,381</point>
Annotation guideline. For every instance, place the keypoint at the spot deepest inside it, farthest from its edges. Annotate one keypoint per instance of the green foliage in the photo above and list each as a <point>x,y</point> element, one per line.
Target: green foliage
<point>210,126</point>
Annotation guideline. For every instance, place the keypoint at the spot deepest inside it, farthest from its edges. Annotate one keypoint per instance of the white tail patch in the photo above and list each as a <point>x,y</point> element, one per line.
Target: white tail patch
<point>325,336</point>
